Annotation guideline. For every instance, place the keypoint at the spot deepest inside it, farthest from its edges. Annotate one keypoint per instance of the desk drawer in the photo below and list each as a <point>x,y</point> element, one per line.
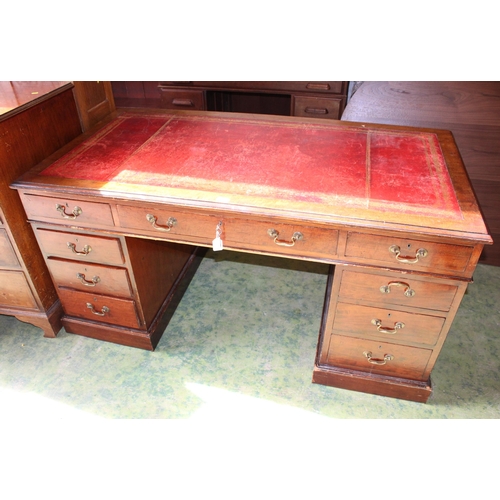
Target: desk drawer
<point>394,325</point>
<point>378,357</point>
<point>15,291</point>
<point>396,289</point>
<point>81,247</point>
<point>171,224</point>
<point>67,211</point>
<point>404,253</point>
<point>281,239</point>
<point>317,107</point>
<point>182,99</point>
<point>100,308</point>
<point>8,257</point>
<point>90,277</point>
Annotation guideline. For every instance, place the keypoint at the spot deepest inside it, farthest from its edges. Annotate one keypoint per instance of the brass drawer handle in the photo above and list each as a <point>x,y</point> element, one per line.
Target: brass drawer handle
<point>82,279</point>
<point>408,292</point>
<point>188,103</point>
<point>316,111</point>
<point>73,215</point>
<point>103,312</point>
<point>171,222</point>
<point>421,253</point>
<point>85,250</point>
<point>377,361</point>
<point>275,234</point>
<point>398,325</point>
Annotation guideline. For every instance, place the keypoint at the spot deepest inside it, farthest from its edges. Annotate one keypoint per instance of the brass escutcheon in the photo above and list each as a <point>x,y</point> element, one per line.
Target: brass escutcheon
<point>421,253</point>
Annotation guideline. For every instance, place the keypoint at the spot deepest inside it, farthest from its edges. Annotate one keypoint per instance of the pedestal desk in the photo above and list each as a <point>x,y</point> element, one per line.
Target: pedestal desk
<point>119,212</point>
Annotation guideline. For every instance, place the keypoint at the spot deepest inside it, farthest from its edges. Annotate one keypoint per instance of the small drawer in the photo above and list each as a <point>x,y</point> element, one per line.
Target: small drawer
<point>100,308</point>
<point>317,107</point>
<point>408,253</point>
<point>281,239</point>
<point>8,257</point>
<point>395,326</point>
<point>378,357</point>
<point>90,277</point>
<point>182,99</point>
<point>15,291</point>
<point>66,211</point>
<point>81,247</point>
<point>171,224</point>
<point>396,289</point>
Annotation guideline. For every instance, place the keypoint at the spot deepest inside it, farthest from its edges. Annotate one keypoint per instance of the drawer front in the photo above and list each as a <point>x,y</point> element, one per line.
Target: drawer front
<point>281,239</point>
<point>378,357</point>
<point>8,257</point>
<point>15,291</point>
<point>408,253</point>
<point>81,247</point>
<point>317,107</point>
<point>398,326</point>
<point>393,289</point>
<point>182,99</point>
<point>66,211</point>
<point>90,277</point>
<point>100,308</point>
<point>171,224</point>
<point>328,87</point>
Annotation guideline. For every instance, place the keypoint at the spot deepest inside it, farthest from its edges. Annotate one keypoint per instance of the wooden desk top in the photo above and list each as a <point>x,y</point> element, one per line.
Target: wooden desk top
<point>335,172</point>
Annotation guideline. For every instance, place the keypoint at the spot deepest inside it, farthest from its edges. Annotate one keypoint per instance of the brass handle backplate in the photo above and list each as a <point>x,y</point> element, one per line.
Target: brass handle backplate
<point>408,292</point>
<point>171,222</point>
<point>84,281</point>
<point>73,215</point>
<point>377,361</point>
<point>275,234</point>
<point>398,325</point>
<point>421,253</point>
<point>85,250</point>
<point>103,312</point>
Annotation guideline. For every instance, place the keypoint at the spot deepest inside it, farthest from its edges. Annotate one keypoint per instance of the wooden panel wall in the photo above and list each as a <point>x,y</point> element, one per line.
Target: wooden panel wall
<point>471,110</point>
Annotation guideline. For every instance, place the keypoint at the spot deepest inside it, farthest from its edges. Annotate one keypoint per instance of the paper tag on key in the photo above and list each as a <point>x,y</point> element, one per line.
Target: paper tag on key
<point>217,244</point>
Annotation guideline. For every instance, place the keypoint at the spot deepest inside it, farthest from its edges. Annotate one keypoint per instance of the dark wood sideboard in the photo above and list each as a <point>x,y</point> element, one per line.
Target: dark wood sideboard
<point>471,110</point>
<point>36,119</point>
<point>307,99</point>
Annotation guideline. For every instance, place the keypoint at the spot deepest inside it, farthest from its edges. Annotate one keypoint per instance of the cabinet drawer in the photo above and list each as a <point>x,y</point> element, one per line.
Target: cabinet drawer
<point>90,277</point>
<point>404,253</point>
<point>66,211</point>
<point>182,99</point>
<point>398,326</point>
<point>15,291</point>
<point>100,308</point>
<point>396,289</point>
<point>171,224</point>
<point>281,239</point>
<point>81,247</point>
<point>378,357</point>
<point>8,257</point>
<point>317,107</point>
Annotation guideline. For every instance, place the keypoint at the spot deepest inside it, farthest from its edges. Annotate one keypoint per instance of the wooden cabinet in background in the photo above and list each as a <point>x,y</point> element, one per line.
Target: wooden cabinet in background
<point>308,99</point>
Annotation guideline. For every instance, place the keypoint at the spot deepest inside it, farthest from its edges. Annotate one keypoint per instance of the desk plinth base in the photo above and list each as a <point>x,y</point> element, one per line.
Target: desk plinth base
<point>410,390</point>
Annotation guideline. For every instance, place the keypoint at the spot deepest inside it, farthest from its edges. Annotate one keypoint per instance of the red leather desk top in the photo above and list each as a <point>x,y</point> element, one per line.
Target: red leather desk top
<point>388,175</point>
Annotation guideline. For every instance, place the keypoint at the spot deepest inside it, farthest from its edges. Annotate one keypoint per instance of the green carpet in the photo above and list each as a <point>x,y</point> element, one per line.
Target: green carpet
<point>241,345</point>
